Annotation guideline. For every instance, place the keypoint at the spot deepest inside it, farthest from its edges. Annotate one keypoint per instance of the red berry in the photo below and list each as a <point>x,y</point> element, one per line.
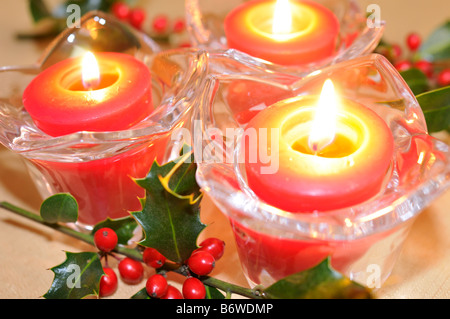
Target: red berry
<point>160,23</point>
<point>179,25</point>
<point>443,78</point>
<point>156,286</point>
<point>193,288</point>
<point>185,45</point>
<point>131,270</point>
<point>153,258</point>
<point>201,262</point>
<point>403,65</point>
<point>425,66</point>
<point>214,246</point>
<point>413,41</point>
<point>396,52</point>
<point>108,283</point>
<point>172,293</point>
<point>120,10</point>
<point>137,18</point>
<point>105,239</point>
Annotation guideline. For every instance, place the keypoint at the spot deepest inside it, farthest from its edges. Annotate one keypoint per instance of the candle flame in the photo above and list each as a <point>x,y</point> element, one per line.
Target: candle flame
<point>90,72</point>
<point>323,129</point>
<point>282,18</point>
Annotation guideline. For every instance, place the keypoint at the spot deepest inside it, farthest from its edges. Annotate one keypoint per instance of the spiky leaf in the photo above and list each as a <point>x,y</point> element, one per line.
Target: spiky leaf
<point>319,282</point>
<point>77,277</point>
<point>170,217</point>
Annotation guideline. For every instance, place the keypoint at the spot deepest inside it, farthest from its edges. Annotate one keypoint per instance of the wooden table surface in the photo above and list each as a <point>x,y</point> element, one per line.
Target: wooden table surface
<point>28,250</point>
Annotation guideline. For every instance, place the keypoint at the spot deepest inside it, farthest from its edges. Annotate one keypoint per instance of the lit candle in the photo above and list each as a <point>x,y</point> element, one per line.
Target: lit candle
<point>106,92</point>
<point>332,153</point>
<point>81,94</point>
<point>285,32</point>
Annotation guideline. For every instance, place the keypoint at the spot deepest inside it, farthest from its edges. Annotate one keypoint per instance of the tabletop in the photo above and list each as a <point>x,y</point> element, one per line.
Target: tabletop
<point>28,250</point>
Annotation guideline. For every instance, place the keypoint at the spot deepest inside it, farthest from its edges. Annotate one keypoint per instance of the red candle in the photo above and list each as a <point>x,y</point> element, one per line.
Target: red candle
<point>288,33</point>
<point>81,94</point>
<point>119,96</point>
<point>331,154</point>
<point>268,258</point>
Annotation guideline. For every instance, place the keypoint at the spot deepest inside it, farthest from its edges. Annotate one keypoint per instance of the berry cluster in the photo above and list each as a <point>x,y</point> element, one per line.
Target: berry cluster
<point>160,25</point>
<point>200,263</point>
<point>437,76</point>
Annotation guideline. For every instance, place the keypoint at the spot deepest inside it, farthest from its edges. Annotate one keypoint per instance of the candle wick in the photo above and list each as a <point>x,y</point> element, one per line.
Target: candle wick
<point>315,148</point>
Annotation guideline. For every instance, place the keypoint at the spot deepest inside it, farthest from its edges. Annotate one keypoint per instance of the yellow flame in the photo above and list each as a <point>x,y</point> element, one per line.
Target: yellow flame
<point>323,130</point>
<point>282,18</point>
<point>90,72</point>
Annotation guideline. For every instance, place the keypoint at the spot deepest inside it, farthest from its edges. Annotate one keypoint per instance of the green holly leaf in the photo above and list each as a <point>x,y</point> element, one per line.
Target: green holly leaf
<point>38,10</point>
<point>141,294</point>
<point>77,277</point>
<point>416,80</point>
<point>319,282</point>
<point>61,207</point>
<point>213,293</point>
<point>437,46</point>
<point>124,228</point>
<point>436,108</point>
<point>170,217</point>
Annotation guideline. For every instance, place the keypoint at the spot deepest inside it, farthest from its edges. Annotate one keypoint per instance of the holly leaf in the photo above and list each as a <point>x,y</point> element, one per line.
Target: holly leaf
<point>436,109</point>
<point>319,282</point>
<point>213,293</point>
<point>437,46</point>
<point>141,294</point>
<point>38,10</point>
<point>60,207</point>
<point>124,228</point>
<point>77,277</point>
<point>170,217</point>
<point>416,80</point>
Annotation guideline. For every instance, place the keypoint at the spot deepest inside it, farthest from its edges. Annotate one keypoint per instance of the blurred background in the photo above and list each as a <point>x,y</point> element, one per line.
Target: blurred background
<point>401,16</point>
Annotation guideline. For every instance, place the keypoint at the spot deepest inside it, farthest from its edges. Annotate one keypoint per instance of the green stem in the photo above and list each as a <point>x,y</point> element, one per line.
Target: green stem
<point>61,228</point>
<point>132,253</point>
<point>230,288</point>
<point>86,237</point>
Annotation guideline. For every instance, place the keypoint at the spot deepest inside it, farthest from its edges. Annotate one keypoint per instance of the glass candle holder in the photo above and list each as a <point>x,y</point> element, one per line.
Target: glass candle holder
<point>362,240</point>
<point>358,34</point>
<point>98,168</point>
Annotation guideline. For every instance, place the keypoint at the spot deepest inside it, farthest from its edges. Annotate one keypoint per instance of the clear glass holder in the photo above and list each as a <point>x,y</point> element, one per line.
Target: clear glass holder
<point>363,241</point>
<point>357,37</point>
<point>98,168</point>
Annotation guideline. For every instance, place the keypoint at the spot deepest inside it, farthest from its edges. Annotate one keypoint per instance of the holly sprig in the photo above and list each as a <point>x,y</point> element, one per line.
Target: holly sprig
<point>171,224</point>
<point>425,67</point>
<point>49,22</point>
<point>424,63</point>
